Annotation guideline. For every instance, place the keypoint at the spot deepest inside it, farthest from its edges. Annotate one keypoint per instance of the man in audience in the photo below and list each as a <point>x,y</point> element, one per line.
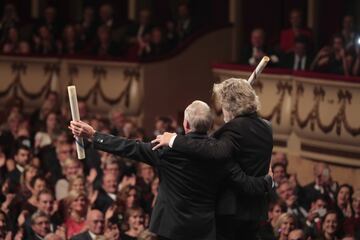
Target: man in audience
<point>107,195</point>
<point>286,193</point>
<point>95,223</point>
<point>299,59</point>
<point>279,173</point>
<point>253,54</point>
<point>185,24</point>
<point>22,158</point>
<point>321,186</point>
<point>317,211</point>
<point>40,224</point>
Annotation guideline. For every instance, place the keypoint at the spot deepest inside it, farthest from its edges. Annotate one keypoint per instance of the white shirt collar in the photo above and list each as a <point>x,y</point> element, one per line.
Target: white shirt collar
<point>112,196</point>
<point>20,168</point>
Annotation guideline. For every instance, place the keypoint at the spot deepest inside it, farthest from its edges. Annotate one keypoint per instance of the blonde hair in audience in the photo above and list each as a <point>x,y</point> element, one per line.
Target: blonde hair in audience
<point>72,196</point>
<point>147,235</point>
<point>283,217</point>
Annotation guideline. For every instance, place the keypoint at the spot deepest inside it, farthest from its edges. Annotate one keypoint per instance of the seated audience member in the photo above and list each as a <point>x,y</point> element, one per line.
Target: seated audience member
<point>332,59</point>
<point>11,44</point>
<point>299,59</point>
<point>284,225</point>
<point>287,36</point>
<point>323,185</point>
<point>253,54</point>
<point>44,42</point>
<point>104,46</point>
<point>313,221</point>
<point>134,223</point>
<point>297,234</point>
<point>287,194</point>
<point>155,47</point>
<point>70,44</point>
<point>137,32</point>
<point>171,36</point>
<point>279,173</point>
<point>9,19</point>
<point>109,166</point>
<point>87,26</point>
<point>45,136</point>
<point>76,209</point>
<point>107,194</point>
<point>112,231</point>
<point>118,119</point>
<point>51,21</point>
<point>70,168</point>
<point>348,32</point>
<point>22,157</point>
<point>163,124</point>
<point>266,230</point>
<point>30,171</point>
<point>185,24</point>
<point>106,16</point>
<point>330,226</point>
<point>40,224</point>
<point>127,198</point>
<point>37,184</point>
<point>95,223</point>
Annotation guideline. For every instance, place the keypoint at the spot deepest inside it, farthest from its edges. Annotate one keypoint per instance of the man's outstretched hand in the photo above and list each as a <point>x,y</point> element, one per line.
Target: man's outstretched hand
<point>82,129</point>
<point>162,140</point>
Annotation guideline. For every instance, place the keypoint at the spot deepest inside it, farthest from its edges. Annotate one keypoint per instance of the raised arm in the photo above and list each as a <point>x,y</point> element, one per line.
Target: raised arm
<point>132,149</point>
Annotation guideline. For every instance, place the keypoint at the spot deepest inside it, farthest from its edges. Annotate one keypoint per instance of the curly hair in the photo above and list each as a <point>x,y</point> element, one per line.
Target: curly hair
<point>237,97</point>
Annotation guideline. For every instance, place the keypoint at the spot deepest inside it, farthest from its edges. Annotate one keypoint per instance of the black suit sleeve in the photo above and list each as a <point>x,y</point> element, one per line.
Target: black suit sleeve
<point>132,149</point>
<point>244,184</point>
<point>206,149</point>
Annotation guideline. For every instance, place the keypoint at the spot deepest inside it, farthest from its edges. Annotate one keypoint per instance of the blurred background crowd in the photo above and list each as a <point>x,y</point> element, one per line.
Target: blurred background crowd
<point>100,33</point>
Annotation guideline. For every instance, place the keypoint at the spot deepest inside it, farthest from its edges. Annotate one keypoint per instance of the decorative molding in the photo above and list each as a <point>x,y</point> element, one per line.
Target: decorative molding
<point>313,117</point>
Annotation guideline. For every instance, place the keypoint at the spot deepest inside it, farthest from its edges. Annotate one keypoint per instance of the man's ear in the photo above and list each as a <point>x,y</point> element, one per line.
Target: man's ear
<point>187,124</point>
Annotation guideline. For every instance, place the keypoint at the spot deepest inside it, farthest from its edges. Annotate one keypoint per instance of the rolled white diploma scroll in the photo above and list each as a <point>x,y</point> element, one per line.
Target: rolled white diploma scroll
<point>76,117</point>
<point>262,64</point>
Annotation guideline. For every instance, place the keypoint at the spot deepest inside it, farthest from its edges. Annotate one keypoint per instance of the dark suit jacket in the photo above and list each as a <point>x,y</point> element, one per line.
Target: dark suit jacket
<point>247,140</point>
<point>82,236</point>
<point>185,207</point>
<point>103,201</point>
<point>288,61</point>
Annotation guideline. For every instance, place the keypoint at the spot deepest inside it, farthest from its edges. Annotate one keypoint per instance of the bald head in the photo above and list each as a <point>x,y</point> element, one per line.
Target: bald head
<point>95,222</point>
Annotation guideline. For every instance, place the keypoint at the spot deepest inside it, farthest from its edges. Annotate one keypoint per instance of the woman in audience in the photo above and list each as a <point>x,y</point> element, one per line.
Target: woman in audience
<point>329,227</point>
<point>30,171</point>
<point>266,230</point>
<point>71,167</point>
<point>37,184</point>
<point>285,223</point>
<point>352,223</point>
<point>343,203</point>
<point>133,224</point>
<point>77,206</point>
<point>45,136</point>
<point>128,198</point>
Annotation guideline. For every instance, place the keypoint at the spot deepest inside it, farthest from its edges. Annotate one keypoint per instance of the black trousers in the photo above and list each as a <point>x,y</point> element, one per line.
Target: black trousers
<point>229,228</point>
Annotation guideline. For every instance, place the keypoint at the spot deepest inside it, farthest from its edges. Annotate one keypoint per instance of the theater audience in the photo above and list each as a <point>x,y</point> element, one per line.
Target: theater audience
<point>329,227</point>
<point>332,59</point>
<point>40,224</point>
